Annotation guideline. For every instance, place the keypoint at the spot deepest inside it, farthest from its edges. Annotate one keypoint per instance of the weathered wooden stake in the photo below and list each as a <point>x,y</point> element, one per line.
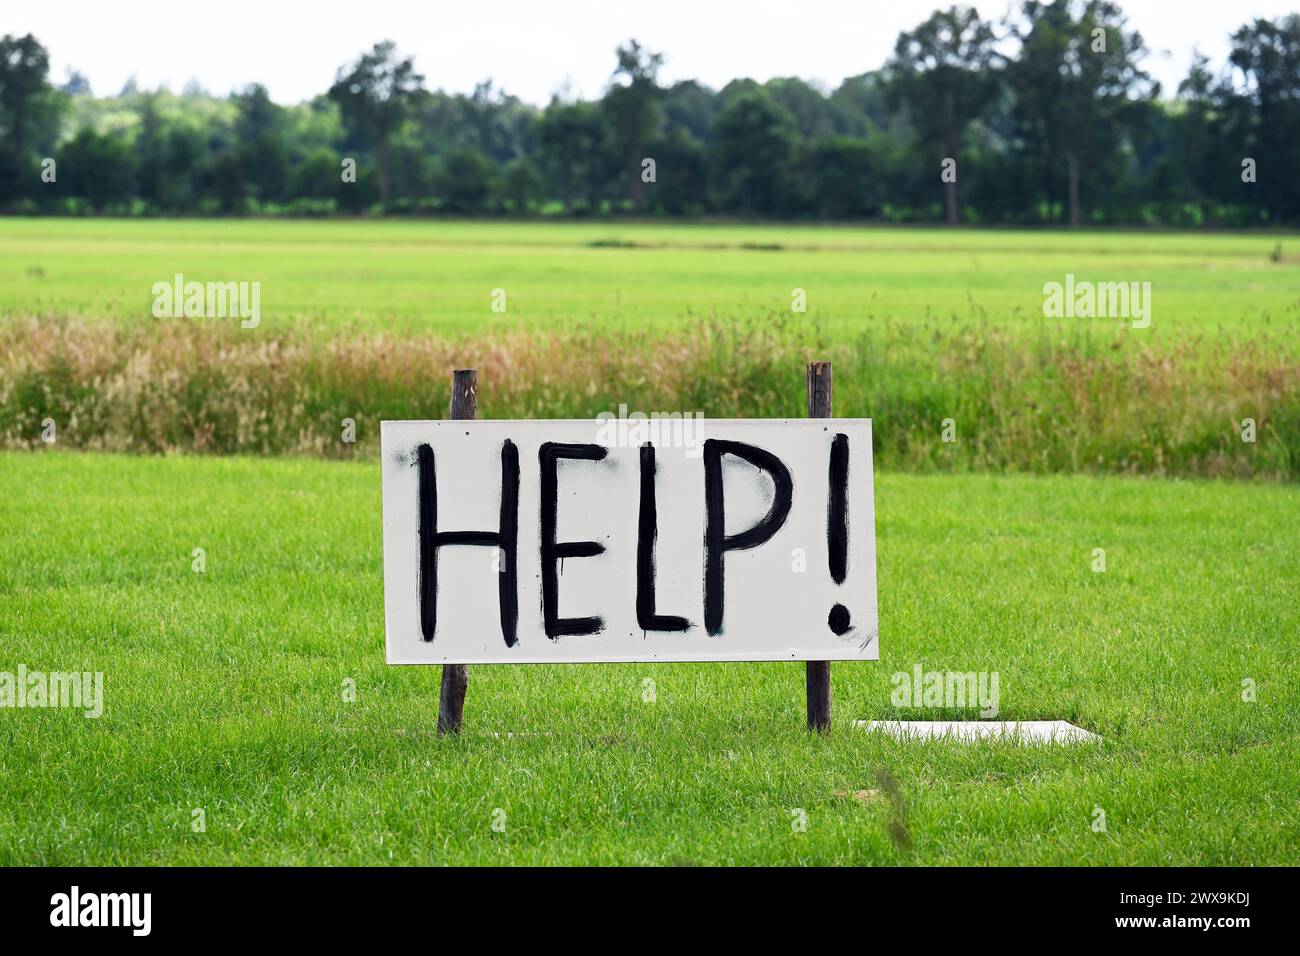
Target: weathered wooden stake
<point>818,673</point>
<point>455,677</point>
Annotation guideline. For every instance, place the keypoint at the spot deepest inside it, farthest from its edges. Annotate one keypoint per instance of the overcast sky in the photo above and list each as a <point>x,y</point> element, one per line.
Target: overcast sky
<point>532,47</point>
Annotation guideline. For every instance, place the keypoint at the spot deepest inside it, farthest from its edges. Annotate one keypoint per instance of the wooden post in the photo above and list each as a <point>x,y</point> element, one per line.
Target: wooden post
<point>818,673</point>
<point>455,677</point>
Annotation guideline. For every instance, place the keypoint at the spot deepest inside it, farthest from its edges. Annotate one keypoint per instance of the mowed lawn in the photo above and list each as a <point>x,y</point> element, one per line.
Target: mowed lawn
<point>224,691</point>
<point>402,277</point>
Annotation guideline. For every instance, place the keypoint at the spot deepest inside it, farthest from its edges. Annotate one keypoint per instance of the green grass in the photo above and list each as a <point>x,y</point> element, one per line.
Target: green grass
<point>363,319</point>
<point>223,689</point>
<point>1029,407</point>
<point>409,276</point>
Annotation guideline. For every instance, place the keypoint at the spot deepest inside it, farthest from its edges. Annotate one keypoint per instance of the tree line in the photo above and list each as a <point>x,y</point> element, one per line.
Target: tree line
<point>1044,116</point>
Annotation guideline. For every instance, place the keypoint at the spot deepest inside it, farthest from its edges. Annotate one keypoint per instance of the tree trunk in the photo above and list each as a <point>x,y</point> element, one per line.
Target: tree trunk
<point>1072,169</point>
<point>636,176</point>
<point>950,202</point>
<point>1049,189</point>
<point>950,188</point>
<point>383,174</point>
<point>19,148</point>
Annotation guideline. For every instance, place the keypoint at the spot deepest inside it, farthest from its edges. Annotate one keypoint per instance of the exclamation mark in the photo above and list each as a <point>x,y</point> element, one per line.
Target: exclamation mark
<point>837,528</point>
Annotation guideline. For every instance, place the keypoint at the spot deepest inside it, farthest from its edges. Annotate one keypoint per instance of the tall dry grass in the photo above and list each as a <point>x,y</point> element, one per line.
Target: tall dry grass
<point>1017,404</point>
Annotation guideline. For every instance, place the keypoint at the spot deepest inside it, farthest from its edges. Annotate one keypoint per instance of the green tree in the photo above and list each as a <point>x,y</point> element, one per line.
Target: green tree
<point>317,175</point>
<point>374,96</point>
<point>572,140</point>
<point>29,112</point>
<point>845,179</point>
<point>814,117</point>
<point>76,85</point>
<point>183,153</point>
<point>99,168</point>
<point>690,107</point>
<point>1075,71</point>
<point>223,181</point>
<point>1199,134</point>
<point>943,71</point>
<point>1266,59</point>
<point>150,149</point>
<point>260,135</point>
<point>633,104</point>
<point>465,180</point>
<point>522,185</point>
<point>684,172</point>
<point>862,104</point>
<point>755,136</point>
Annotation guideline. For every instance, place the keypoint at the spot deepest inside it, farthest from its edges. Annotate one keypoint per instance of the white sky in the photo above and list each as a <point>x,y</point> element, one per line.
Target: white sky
<point>532,47</point>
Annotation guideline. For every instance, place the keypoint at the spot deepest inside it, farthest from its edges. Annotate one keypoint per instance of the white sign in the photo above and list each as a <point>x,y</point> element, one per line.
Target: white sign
<point>616,540</point>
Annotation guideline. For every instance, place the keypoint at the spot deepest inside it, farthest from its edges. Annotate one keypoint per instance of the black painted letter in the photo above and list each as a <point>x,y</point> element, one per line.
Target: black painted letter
<point>548,455</point>
<point>837,509</point>
<point>647,532</point>
<point>716,540</point>
<point>506,538</point>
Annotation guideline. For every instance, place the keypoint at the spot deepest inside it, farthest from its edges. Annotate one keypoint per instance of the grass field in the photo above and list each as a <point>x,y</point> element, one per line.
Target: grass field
<point>223,690</point>
<point>438,276</point>
<point>362,320</point>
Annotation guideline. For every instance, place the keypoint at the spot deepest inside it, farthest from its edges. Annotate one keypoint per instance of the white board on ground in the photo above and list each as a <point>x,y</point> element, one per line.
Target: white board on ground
<point>684,540</point>
<point>968,731</point>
